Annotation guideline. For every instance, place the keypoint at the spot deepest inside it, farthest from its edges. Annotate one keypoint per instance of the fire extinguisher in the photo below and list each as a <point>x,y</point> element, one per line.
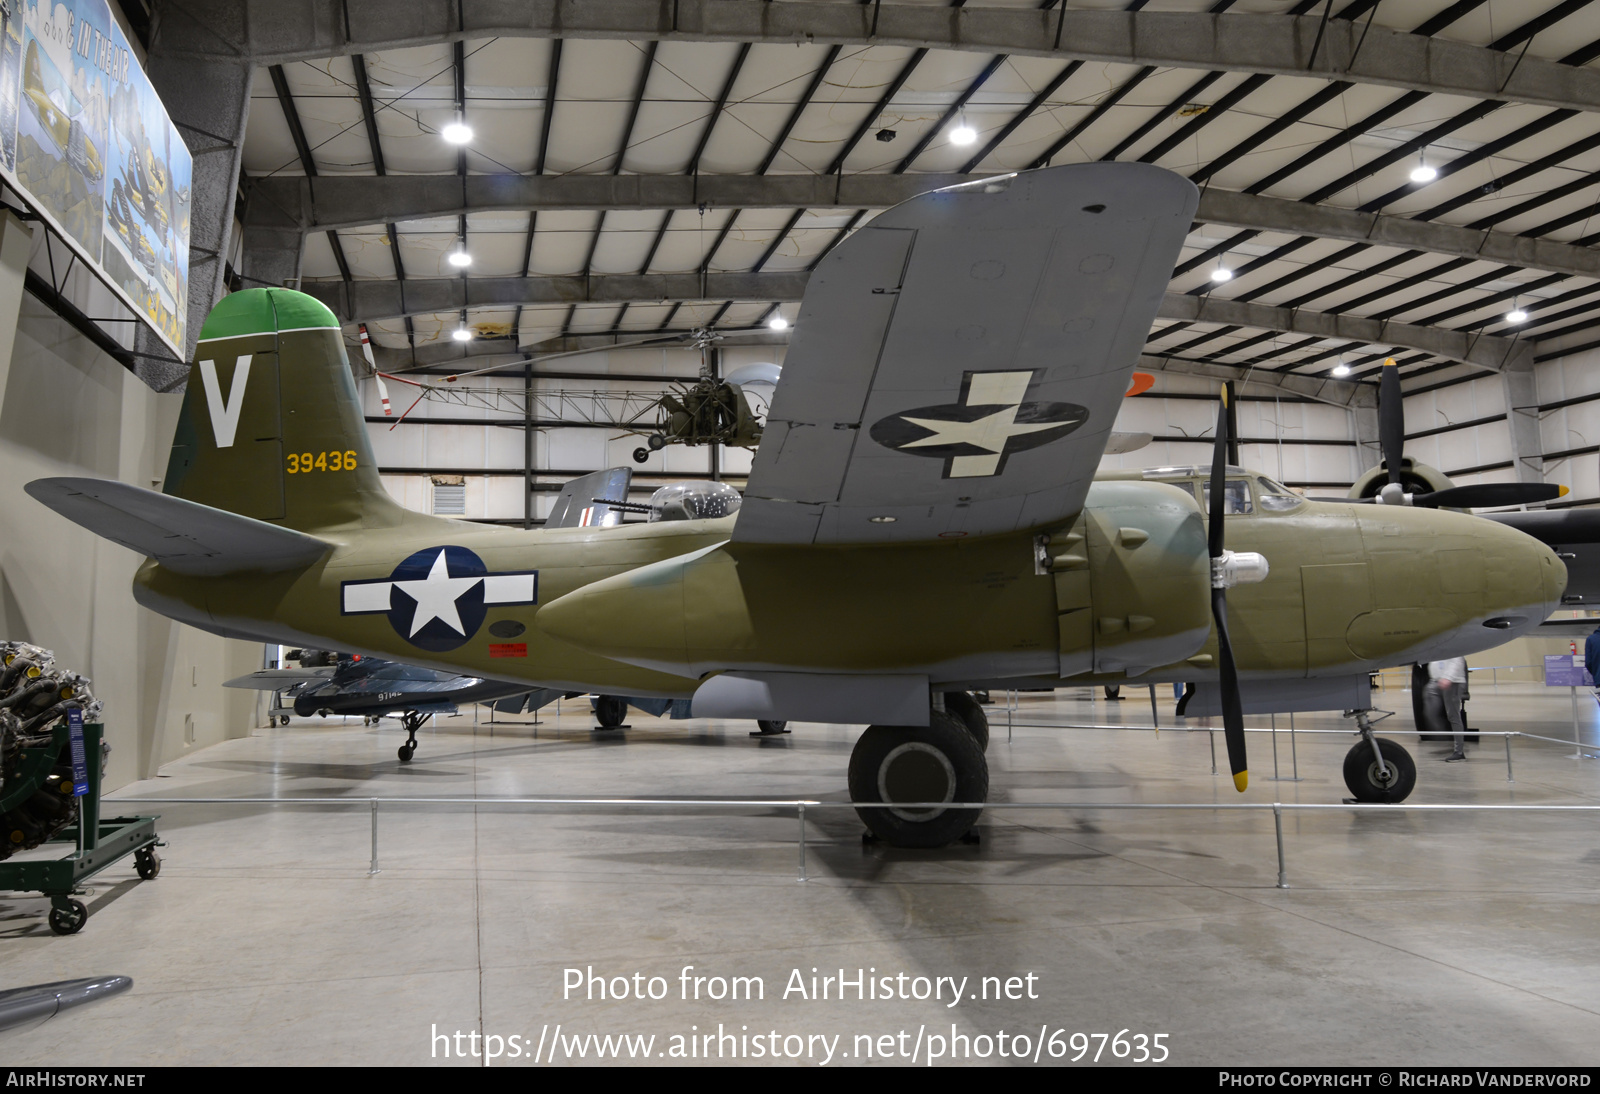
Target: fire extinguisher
<point>1573,646</point>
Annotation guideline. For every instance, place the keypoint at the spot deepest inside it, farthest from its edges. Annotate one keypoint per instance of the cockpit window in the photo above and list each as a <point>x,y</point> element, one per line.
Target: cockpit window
<point>1276,497</point>
<point>694,501</point>
<point>1235,497</point>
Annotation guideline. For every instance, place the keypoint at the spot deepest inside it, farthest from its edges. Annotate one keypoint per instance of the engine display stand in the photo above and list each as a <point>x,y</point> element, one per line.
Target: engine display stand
<point>98,842</point>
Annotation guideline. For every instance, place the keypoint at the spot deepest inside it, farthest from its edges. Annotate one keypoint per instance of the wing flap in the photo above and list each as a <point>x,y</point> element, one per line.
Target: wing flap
<point>184,536</point>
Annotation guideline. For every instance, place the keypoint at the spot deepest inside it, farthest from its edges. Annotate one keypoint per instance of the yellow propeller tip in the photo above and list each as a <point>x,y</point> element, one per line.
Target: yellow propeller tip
<point>1388,362</point>
<point>1241,779</point>
<point>1564,492</point>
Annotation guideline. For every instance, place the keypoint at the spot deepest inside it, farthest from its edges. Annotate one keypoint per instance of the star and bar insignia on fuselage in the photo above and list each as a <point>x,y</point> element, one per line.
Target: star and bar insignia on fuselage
<point>975,436</point>
<point>438,597</point>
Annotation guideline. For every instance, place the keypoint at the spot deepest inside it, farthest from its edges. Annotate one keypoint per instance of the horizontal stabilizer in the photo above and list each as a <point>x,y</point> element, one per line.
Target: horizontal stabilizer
<point>183,536</point>
<point>277,679</point>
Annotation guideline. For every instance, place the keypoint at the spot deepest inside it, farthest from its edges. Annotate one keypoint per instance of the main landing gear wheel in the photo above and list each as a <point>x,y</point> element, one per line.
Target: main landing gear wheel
<point>69,919</point>
<point>971,715</point>
<point>940,762</point>
<point>412,722</point>
<point>1368,784</point>
<point>610,711</point>
<point>770,729</point>
<point>147,862</point>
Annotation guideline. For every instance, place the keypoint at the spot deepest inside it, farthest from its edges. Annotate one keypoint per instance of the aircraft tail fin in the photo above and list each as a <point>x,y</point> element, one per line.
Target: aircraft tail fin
<point>272,428</point>
<point>585,502</point>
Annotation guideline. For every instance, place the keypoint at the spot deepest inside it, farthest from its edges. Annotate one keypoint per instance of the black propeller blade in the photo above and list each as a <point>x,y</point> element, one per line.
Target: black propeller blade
<point>1487,495</point>
<point>1391,419</point>
<point>1227,672</point>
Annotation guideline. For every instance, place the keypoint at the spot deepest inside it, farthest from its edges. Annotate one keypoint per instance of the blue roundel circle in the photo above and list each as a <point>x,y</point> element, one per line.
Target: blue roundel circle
<point>436,601</point>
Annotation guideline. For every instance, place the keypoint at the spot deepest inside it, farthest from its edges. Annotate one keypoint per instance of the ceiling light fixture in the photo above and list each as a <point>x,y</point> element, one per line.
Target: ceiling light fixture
<point>778,322</point>
<point>963,134</point>
<point>1221,274</point>
<point>1341,369</point>
<point>1516,314</point>
<point>1422,172</point>
<point>460,259</point>
<point>461,334</point>
<point>457,132</point>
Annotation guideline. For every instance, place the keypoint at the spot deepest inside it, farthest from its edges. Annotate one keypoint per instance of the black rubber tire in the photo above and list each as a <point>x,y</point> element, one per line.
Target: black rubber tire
<point>656,442</point>
<point>283,719</point>
<point>641,455</point>
<point>71,921</point>
<point>1361,772</point>
<point>610,711</point>
<point>966,708</point>
<point>405,753</point>
<point>771,729</point>
<point>937,762</point>
<point>147,863</point>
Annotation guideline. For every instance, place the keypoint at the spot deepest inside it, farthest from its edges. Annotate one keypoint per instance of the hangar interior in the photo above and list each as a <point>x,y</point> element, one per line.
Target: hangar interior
<point>633,177</point>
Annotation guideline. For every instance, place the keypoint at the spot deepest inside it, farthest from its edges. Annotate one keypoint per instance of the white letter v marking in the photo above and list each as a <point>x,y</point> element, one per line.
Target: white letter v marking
<point>225,416</point>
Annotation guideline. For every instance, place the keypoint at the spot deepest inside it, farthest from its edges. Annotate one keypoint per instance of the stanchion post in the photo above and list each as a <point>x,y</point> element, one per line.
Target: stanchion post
<point>373,869</point>
<point>1509,779</point>
<point>1277,820</point>
<point>1294,753</point>
<point>1577,747</point>
<point>1275,776</point>
<point>1155,719</point>
<point>800,811</point>
<point>1211,736</point>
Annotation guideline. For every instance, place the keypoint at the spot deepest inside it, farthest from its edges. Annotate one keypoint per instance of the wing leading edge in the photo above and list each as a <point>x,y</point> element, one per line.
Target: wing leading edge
<point>958,364</point>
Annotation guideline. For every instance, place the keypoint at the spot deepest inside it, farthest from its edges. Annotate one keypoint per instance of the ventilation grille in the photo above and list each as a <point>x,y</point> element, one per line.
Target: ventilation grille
<point>449,500</point>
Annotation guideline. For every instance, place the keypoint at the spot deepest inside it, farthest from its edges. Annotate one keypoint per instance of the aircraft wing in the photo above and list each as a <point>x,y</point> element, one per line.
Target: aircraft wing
<point>276,679</point>
<point>184,536</point>
<point>958,363</point>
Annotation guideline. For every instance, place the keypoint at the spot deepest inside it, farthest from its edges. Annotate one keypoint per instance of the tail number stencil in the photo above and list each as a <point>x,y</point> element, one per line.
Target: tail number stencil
<point>303,463</point>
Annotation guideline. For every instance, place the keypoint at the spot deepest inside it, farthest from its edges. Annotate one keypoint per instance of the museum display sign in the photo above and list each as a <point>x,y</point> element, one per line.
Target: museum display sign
<point>86,141</point>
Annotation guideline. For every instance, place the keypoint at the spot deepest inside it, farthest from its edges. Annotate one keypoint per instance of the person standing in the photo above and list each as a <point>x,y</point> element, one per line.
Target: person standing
<point>1591,658</point>
<point>1448,680</point>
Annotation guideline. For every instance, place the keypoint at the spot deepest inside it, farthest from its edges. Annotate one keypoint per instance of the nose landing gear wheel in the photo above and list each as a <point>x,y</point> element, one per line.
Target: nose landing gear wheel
<point>412,723</point>
<point>68,919</point>
<point>941,762</point>
<point>1368,784</point>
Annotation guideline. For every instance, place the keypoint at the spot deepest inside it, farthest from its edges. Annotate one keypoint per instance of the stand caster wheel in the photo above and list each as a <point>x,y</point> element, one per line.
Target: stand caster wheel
<point>147,862</point>
<point>69,920</point>
<point>406,752</point>
<point>283,719</point>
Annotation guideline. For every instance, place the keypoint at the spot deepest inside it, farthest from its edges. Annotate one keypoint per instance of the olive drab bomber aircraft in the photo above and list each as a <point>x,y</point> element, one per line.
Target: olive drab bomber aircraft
<point>923,518</point>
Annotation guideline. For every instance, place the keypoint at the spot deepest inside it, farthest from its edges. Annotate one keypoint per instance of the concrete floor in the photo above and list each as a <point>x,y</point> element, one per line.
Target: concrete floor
<point>1408,937</point>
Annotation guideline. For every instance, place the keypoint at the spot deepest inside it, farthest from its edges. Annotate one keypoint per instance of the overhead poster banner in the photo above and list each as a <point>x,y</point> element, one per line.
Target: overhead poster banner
<point>86,141</point>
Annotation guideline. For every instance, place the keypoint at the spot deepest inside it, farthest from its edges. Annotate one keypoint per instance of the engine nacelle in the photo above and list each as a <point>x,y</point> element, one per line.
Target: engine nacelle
<point>1133,579</point>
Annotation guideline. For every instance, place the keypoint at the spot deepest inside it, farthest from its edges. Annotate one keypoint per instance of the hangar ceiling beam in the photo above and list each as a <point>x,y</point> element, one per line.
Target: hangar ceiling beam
<point>266,33</point>
<point>290,204</point>
<point>367,301</point>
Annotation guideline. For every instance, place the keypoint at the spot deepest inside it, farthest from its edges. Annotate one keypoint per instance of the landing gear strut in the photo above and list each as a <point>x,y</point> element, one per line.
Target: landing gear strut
<point>412,721</point>
<point>927,765</point>
<point>1377,769</point>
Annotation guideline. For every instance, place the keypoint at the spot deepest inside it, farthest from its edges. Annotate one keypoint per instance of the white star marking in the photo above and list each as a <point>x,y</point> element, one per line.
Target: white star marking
<point>991,432</point>
<point>436,596</point>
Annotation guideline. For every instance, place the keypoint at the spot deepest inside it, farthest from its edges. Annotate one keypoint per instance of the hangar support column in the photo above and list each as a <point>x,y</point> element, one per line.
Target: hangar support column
<point>1522,416</point>
<point>208,99</point>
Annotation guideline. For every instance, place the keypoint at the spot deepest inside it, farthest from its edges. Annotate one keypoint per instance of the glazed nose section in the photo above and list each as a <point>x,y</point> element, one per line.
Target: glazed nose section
<point>1525,577</point>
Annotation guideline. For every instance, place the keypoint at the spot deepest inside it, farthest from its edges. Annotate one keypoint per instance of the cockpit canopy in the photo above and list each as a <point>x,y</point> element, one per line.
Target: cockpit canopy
<point>694,501</point>
<point>1271,495</point>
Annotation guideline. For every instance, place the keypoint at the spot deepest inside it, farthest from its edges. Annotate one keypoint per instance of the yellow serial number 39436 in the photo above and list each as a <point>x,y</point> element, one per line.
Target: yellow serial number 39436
<point>301,463</point>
